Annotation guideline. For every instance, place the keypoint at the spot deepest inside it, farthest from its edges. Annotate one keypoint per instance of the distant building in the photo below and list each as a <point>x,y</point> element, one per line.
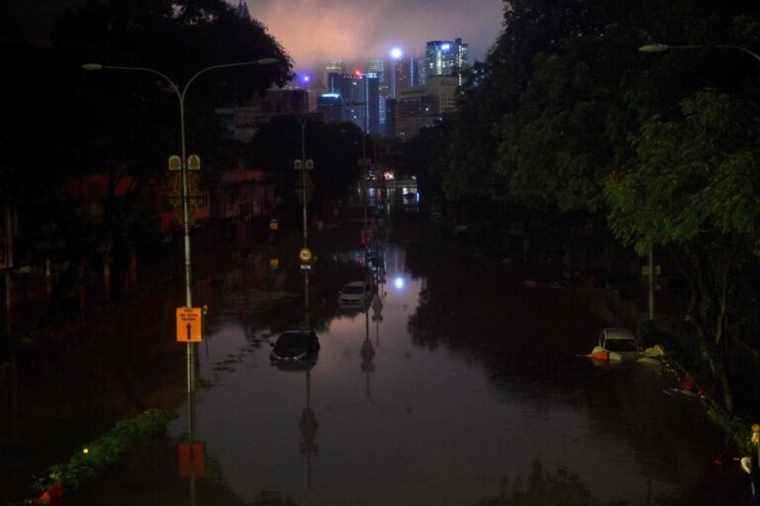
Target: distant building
<point>424,106</point>
<point>372,100</point>
<point>446,58</point>
<point>403,70</point>
<point>356,100</point>
<point>330,106</point>
<point>390,117</point>
<point>333,68</point>
<point>242,123</point>
<point>418,75</point>
<point>381,69</point>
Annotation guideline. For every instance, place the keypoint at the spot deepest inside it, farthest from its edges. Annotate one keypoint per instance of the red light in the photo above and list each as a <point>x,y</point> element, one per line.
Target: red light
<point>357,73</point>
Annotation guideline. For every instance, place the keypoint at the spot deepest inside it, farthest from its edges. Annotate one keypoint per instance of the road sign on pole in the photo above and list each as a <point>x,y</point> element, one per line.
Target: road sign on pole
<point>189,325</point>
<point>305,255</point>
<point>191,459</point>
<point>193,162</point>
<point>175,163</point>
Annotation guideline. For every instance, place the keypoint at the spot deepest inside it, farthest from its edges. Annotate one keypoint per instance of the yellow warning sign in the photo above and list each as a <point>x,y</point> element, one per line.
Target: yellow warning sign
<point>189,325</point>
<point>305,255</point>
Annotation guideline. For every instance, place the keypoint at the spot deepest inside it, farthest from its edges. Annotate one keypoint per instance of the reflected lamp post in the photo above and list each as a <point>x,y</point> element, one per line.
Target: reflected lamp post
<point>181,96</point>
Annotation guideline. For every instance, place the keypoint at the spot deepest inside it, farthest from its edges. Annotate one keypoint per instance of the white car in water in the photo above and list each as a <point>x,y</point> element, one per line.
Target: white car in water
<point>616,345</point>
<point>356,293</point>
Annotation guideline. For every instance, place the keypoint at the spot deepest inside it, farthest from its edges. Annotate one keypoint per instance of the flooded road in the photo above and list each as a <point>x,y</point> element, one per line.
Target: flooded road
<point>392,413</point>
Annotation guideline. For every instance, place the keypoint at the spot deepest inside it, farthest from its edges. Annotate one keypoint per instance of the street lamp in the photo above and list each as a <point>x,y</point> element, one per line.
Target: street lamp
<point>181,94</point>
<point>661,48</point>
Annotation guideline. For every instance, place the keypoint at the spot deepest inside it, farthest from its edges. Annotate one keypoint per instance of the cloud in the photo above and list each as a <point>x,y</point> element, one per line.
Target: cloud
<point>315,31</point>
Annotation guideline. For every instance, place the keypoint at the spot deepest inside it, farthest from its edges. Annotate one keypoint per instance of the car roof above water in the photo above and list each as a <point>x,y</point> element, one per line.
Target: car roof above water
<point>618,333</point>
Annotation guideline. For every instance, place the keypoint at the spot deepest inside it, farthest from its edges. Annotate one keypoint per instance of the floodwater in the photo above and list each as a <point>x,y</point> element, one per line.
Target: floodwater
<point>394,414</point>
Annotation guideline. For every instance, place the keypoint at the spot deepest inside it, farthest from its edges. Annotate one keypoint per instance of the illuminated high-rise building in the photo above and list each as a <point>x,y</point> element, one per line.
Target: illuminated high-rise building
<point>403,72</point>
<point>372,101</point>
<point>332,69</point>
<point>355,100</point>
<point>381,69</point>
<point>446,58</point>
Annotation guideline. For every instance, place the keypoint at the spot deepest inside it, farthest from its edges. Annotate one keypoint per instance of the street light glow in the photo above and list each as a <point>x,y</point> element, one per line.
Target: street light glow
<point>396,53</point>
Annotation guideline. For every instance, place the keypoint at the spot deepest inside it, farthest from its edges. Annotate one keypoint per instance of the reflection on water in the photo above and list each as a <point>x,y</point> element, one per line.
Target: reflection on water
<point>544,487</point>
<point>408,403</point>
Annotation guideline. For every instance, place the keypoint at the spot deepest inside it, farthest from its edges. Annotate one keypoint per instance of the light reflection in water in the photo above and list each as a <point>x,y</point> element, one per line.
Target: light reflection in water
<point>437,427</point>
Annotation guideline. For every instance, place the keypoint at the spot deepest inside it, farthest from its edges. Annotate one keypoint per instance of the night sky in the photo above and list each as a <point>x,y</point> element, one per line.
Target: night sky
<point>315,31</point>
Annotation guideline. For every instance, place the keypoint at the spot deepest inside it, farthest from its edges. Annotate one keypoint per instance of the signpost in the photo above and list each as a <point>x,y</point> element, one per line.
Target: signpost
<point>175,163</point>
<point>189,325</point>
<point>305,257</point>
<point>191,459</point>
<point>193,162</point>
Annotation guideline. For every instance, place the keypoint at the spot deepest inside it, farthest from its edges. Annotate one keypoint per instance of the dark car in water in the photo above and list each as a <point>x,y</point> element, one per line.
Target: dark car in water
<point>296,348</point>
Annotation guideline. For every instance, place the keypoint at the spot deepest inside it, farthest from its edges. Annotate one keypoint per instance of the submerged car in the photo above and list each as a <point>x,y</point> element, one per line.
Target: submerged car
<point>295,348</point>
<point>356,293</point>
<point>616,345</point>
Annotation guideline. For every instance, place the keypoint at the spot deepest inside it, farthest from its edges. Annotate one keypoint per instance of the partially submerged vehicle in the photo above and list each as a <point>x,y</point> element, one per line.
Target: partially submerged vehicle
<point>356,294</point>
<point>295,348</point>
<point>616,345</point>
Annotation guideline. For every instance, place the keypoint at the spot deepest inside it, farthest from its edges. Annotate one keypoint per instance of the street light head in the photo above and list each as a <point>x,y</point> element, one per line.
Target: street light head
<point>267,61</point>
<point>92,66</point>
<point>654,48</point>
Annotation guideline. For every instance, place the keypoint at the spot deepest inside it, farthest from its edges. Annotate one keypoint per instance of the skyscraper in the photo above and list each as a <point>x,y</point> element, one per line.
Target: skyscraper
<point>403,72</point>
<point>372,101</point>
<point>330,105</point>
<point>380,68</point>
<point>332,69</point>
<point>355,100</point>
<point>446,58</point>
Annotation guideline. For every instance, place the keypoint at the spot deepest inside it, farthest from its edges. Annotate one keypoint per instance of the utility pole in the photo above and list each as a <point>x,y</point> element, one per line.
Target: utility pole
<point>304,167</point>
<point>651,283</point>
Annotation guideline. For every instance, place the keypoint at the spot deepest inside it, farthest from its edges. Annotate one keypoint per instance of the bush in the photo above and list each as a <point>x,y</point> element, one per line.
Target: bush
<point>105,451</point>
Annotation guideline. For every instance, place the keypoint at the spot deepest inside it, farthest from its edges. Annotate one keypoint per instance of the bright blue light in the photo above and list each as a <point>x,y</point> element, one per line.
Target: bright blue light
<point>399,283</point>
<point>330,95</point>
<point>396,53</point>
<point>446,47</point>
<point>306,79</point>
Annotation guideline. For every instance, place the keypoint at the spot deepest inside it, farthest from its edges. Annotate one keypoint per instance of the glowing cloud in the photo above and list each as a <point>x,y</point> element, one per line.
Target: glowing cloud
<point>316,31</point>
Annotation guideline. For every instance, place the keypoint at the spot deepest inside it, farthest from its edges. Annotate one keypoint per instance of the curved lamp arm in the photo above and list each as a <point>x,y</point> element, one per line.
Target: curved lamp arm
<point>661,48</point>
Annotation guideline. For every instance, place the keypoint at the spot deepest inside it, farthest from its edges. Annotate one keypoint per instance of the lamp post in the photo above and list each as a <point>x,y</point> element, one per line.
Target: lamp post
<point>661,48</point>
<point>181,95</point>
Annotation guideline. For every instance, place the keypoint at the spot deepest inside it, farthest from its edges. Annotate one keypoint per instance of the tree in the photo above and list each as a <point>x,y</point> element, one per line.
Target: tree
<point>121,125</point>
<point>335,149</point>
<point>693,187</point>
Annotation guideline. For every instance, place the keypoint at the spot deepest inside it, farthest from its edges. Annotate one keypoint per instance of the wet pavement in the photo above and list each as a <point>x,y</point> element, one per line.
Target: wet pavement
<point>394,412</point>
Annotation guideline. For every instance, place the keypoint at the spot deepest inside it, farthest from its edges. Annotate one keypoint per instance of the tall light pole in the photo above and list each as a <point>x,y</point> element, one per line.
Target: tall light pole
<point>181,96</point>
<point>303,167</point>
